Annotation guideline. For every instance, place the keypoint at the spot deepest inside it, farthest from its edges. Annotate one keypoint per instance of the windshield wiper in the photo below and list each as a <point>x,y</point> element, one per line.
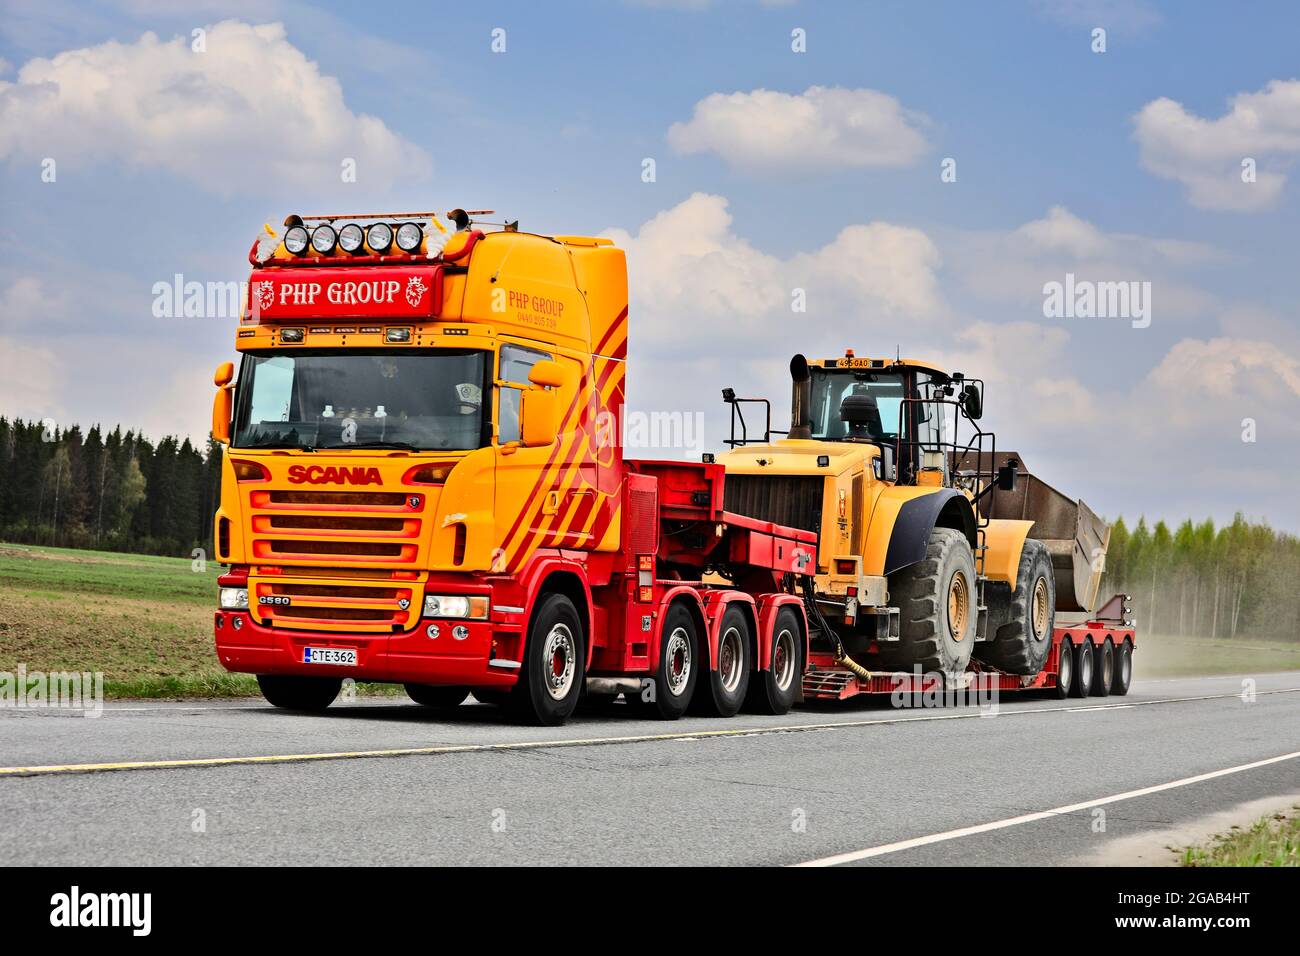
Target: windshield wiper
<point>400,445</point>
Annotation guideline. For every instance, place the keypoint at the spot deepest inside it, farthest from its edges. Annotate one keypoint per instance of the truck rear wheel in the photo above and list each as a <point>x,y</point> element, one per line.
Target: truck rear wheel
<point>772,691</point>
<point>1083,664</point>
<point>1123,670</point>
<point>551,679</point>
<point>299,693</point>
<point>667,694</point>
<point>937,608</point>
<point>729,681</point>
<point>430,695</point>
<point>1023,617</point>
<point>1103,669</point>
<point>1064,671</point>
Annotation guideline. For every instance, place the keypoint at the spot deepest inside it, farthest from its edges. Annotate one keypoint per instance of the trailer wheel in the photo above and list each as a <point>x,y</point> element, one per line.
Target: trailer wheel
<point>430,695</point>
<point>1123,670</point>
<point>1103,669</point>
<point>299,693</point>
<point>1024,617</point>
<point>667,693</point>
<point>729,681</point>
<point>1083,663</point>
<point>1064,670</point>
<point>551,679</point>
<point>772,691</point>
<point>937,600</point>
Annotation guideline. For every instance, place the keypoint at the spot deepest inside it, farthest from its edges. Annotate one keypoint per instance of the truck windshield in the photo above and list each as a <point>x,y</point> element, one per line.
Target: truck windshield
<point>422,400</point>
<point>831,388</point>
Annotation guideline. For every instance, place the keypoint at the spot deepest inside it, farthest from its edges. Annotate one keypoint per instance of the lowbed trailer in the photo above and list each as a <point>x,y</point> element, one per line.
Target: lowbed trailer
<point>1087,659</point>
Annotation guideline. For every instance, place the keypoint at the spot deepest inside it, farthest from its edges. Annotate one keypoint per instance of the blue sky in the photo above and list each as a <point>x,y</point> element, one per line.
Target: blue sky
<point>1117,166</point>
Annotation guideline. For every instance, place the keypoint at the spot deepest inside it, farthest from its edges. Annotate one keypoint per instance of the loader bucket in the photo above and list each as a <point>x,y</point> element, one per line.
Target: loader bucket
<point>1075,536</point>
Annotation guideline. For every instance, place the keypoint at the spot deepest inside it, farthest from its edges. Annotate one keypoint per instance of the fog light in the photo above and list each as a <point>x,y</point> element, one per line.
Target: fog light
<point>237,623</point>
<point>324,239</point>
<point>296,239</point>
<point>409,236</point>
<point>234,599</point>
<point>379,237</point>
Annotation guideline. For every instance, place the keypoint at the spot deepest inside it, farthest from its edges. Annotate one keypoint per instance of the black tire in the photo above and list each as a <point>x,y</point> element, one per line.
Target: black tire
<point>1083,666</point>
<point>667,693</point>
<point>1103,669</point>
<point>497,698</point>
<point>773,690</point>
<point>1123,670</point>
<point>430,695</point>
<point>936,628</point>
<point>1064,671</point>
<point>729,681</point>
<point>1021,620</point>
<point>554,665</point>
<point>312,694</point>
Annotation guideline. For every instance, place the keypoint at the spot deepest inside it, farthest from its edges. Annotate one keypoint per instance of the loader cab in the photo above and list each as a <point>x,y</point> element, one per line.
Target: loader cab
<point>892,405</point>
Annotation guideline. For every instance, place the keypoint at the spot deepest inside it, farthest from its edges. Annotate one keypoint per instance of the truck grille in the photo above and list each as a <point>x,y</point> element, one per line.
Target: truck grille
<point>368,529</point>
<point>791,500</point>
<point>366,607</point>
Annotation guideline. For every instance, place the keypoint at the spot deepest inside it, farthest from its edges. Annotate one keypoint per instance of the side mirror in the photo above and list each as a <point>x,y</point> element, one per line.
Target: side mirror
<point>547,374</point>
<point>538,412</point>
<point>223,403</point>
<point>886,466</point>
<point>1007,475</point>
<point>972,403</point>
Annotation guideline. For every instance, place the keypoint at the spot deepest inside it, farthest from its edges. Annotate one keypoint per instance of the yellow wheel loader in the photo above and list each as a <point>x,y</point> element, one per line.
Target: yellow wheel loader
<point>935,549</point>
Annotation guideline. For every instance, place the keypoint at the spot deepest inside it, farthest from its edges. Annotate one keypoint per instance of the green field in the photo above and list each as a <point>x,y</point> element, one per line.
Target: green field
<point>146,622</point>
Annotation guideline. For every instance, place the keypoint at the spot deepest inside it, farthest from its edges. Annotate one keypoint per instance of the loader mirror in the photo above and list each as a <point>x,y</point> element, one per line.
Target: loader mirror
<point>972,403</point>
<point>224,374</point>
<point>538,417</point>
<point>547,374</point>
<point>1007,475</point>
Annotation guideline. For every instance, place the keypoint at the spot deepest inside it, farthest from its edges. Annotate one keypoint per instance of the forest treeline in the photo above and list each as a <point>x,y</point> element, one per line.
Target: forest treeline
<point>111,491</point>
<point>118,491</point>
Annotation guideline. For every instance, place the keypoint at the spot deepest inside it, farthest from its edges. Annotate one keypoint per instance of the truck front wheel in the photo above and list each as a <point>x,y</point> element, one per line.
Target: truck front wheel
<point>299,693</point>
<point>554,664</point>
<point>430,695</point>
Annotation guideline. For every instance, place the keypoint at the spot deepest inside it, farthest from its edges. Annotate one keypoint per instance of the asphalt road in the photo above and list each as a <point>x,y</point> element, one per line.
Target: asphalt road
<point>1038,782</point>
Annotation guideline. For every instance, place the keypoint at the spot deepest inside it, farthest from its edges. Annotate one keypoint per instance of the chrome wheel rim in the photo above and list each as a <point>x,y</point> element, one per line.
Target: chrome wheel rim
<point>731,660</point>
<point>677,661</point>
<point>560,657</point>
<point>784,656</point>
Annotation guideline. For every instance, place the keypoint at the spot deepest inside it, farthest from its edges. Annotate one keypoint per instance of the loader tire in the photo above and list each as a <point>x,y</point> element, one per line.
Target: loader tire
<point>936,600</point>
<point>1023,618</point>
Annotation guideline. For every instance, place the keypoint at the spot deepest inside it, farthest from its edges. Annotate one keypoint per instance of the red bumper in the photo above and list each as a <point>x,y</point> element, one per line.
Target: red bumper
<point>418,656</point>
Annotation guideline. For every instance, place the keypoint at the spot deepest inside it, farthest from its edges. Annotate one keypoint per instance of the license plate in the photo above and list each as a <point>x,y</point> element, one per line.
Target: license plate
<point>339,656</point>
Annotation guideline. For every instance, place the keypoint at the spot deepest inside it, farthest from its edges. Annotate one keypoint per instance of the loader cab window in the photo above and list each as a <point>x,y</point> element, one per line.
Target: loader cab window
<point>857,405</point>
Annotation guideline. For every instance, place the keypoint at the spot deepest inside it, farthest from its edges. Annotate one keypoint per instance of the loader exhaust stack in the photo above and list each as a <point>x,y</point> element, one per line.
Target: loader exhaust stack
<point>801,399</point>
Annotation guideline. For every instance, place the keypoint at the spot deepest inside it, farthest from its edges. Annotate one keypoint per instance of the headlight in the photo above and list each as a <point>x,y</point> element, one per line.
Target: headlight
<point>456,605</point>
<point>234,599</point>
<point>296,239</point>
<point>324,239</point>
<point>351,238</point>
<point>409,236</point>
<point>379,237</point>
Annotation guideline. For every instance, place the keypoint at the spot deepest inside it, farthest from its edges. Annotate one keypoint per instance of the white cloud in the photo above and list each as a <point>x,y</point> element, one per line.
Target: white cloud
<point>1206,155</point>
<point>30,381</point>
<point>819,129</point>
<point>252,113</point>
<point>1121,16</point>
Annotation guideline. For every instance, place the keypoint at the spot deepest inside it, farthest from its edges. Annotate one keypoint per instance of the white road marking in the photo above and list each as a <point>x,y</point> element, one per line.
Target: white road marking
<point>191,762</point>
<point>1035,817</point>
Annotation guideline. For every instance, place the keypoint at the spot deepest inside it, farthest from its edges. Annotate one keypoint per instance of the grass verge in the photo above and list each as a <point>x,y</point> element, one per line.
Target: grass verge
<point>1270,841</point>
